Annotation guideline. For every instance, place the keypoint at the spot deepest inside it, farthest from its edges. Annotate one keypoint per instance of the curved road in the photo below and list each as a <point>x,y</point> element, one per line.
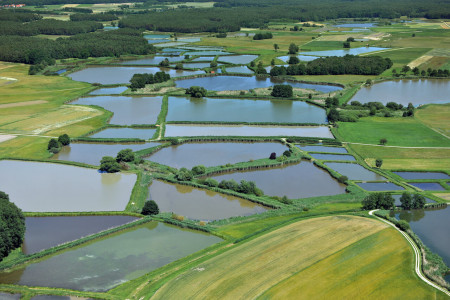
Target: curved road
<point>418,257</point>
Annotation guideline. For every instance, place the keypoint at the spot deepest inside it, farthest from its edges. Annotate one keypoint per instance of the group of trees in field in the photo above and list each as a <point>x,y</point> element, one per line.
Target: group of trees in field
<point>282,90</point>
<point>110,164</point>
<point>54,145</point>
<point>196,91</point>
<point>48,26</point>
<point>12,226</point>
<point>33,50</point>
<point>139,81</point>
<point>378,201</point>
<point>263,36</point>
<point>333,65</point>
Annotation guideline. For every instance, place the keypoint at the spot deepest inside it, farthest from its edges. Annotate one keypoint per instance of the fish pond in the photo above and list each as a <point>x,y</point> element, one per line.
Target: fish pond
<point>203,58</point>
<point>200,204</point>
<point>116,75</point>
<point>343,52</point>
<point>207,53</point>
<point>92,153</point>
<point>225,83</point>
<point>431,226</point>
<point>103,264</point>
<point>428,186</point>
<point>5,296</point>
<point>109,91</point>
<point>244,110</point>
<point>156,36</point>
<point>415,91</point>
<point>240,69</point>
<point>197,65</point>
<point>332,156</point>
<point>237,59</point>
<point>46,232</point>
<point>355,172</point>
<point>301,57</point>
<point>379,186</point>
<point>152,60</point>
<point>355,25</point>
<point>422,175</point>
<point>211,154</point>
<point>313,148</point>
<point>47,187</point>
<point>125,133</point>
<point>128,110</point>
<point>300,180</point>
<point>173,130</point>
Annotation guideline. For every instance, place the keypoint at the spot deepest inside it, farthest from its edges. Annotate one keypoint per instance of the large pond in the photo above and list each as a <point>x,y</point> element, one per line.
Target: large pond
<point>125,133</point>
<point>92,153</point>
<point>200,204</point>
<point>244,110</point>
<point>195,65</point>
<point>313,148</point>
<point>128,110</point>
<point>207,53</point>
<point>422,175</point>
<point>300,180</point>
<point>240,69</point>
<point>103,264</point>
<point>5,296</point>
<point>109,91</point>
<point>332,156</point>
<point>428,186</point>
<point>152,60</point>
<point>214,154</point>
<point>431,225</point>
<point>343,52</point>
<point>379,186</point>
<point>238,59</point>
<point>115,75</point>
<point>355,172</point>
<point>355,25</point>
<point>243,130</point>
<point>225,83</point>
<point>46,232</point>
<point>415,91</point>
<point>46,187</point>
<point>203,58</point>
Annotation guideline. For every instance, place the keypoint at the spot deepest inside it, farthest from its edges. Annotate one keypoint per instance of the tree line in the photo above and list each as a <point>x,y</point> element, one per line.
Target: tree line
<point>333,65</point>
<point>48,26</point>
<point>100,17</point>
<point>138,81</point>
<point>12,226</point>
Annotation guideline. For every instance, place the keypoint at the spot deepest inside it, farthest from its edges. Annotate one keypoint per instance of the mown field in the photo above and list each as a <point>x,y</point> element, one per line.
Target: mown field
<point>435,117</point>
<point>338,248</point>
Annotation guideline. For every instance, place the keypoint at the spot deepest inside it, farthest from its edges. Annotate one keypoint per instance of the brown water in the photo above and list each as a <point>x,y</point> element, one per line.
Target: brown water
<point>127,110</point>
<point>214,153</point>
<point>46,232</point>
<point>199,204</point>
<point>300,180</point>
<point>243,130</point>
<point>244,110</point>
<point>92,153</point>
<point>46,187</point>
<point>417,91</point>
<point>115,75</point>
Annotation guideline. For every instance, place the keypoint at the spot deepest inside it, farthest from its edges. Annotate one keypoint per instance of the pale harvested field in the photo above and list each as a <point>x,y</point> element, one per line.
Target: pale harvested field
<point>418,61</point>
<point>5,137</point>
<point>25,103</point>
<point>445,196</point>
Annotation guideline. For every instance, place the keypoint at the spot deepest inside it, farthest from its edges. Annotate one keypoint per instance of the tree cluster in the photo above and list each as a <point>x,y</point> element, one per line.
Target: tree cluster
<point>282,90</point>
<point>196,91</point>
<point>415,201</point>
<point>78,10</point>
<point>48,26</point>
<point>110,164</point>
<point>150,208</point>
<point>12,226</point>
<point>378,201</point>
<point>245,187</point>
<point>138,81</point>
<point>54,145</point>
<point>263,36</point>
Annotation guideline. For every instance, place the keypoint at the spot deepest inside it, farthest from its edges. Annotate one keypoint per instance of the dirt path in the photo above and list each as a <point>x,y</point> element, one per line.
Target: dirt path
<point>418,257</point>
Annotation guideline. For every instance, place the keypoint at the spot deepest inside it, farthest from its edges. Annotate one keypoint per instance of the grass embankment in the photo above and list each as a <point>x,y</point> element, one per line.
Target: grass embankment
<point>314,244</point>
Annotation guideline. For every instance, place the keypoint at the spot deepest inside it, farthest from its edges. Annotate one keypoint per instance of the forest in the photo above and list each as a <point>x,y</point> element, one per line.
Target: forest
<point>48,26</point>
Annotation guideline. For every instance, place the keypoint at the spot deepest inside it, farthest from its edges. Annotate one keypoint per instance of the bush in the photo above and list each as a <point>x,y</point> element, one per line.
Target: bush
<point>211,182</point>
<point>200,169</point>
<point>282,90</point>
<point>53,143</point>
<point>342,179</point>
<point>378,162</point>
<point>213,64</point>
<point>126,155</point>
<point>378,201</point>
<point>287,153</point>
<point>150,208</point>
<point>196,91</point>
<point>293,60</point>
<point>64,139</point>
<point>285,200</point>
<point>402,225</point>
<point>262,36</point>
<point>273,155</point>
<point>109,164</point>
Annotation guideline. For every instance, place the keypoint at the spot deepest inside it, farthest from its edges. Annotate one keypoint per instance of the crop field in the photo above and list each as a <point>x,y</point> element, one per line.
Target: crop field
<point>285,254</point>
<point>406,132</point>
<point>435,117</point>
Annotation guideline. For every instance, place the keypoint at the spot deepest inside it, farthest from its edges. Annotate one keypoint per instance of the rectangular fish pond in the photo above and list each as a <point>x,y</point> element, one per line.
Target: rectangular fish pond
<point>313,148</point>
<point>102,264</point>
<point>125,133</point>
<point>428,186</point>
<point>332,157</point>
<point>422,175</point>
<point>48,187</point>
<point>155,60</point>
<point>244,110</point>
<point>109,91</point>
<point>355,172</point>
<point>379,186</point>
<point>200,204</point>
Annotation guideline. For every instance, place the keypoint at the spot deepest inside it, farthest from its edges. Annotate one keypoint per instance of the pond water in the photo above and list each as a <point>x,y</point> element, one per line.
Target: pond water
<point>380,186</point>
<point>190,40</point>
<point>156,36</point>
<point>103,264</point>
<point>343,52</point>
<point>242,130</point>
<point>323,149</point>
<point>110,28</point>
<point>109,91</point>
<point>431,226</point>
<point>415,91</point>
<point>171,44</point>
<point>246,110</point>
<point>92,153</point>
<point>355,172</point>
<point>59,72</point>
<point>158,41</point>
<point>46,232</point>
<point>53,297</point>
<point>61,188</point>
<point>422,175</point>
<point>152,60</point>
<point>204,58</point>
<point>241,69</point>
<point>200,204</point>
<point>398,203</point>
<point>226,83</point>
<point>125,133</point>
<point>428,186</point>
<point>301,57</point>
<point>115,75</point>
<point>5,296</point>
<point>128,110</point>
<point>172,51</point>
<point>355,25</point>
<point>203,48</point>
<point>198,65</point>
<point>300,180</point>
<point>332,156</point>
<point>214,153</point>
<point>238,59</point>
<point>208,53</point>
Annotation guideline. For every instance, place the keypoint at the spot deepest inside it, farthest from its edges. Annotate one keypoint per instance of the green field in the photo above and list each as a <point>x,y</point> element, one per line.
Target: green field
<point>329,245</point>
<point>435,117</point>
<point>406,132</point>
